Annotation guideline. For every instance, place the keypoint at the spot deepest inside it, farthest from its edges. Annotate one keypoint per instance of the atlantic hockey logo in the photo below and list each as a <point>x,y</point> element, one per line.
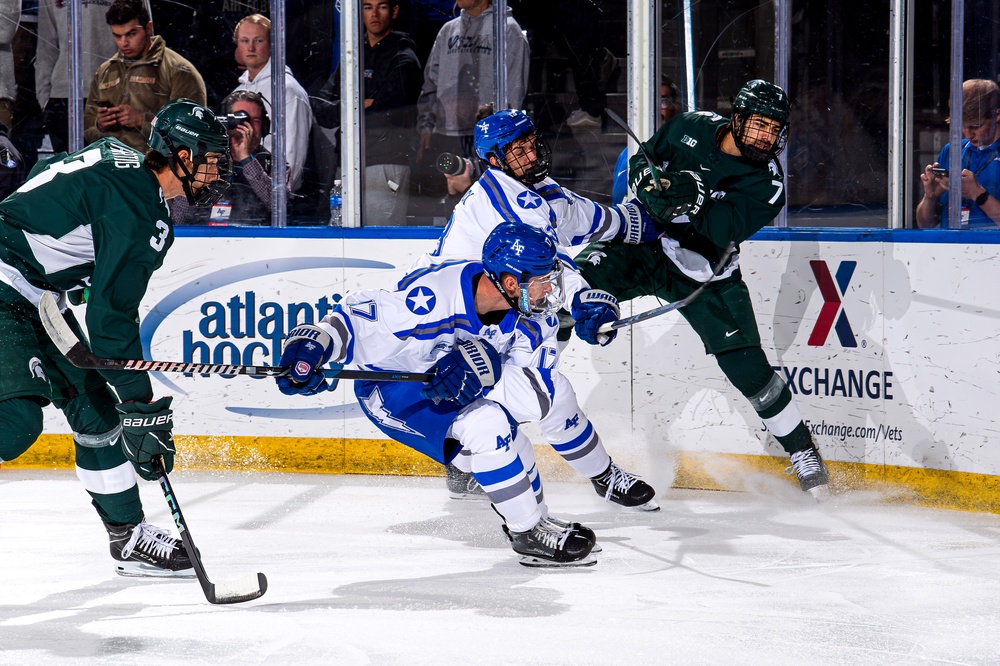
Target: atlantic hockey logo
<point>832,314</point>
<point>528,200</point>
<point>420,300</point>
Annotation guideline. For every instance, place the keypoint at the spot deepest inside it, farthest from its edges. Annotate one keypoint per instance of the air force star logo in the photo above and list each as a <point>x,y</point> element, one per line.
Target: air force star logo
<point>529,200</point>
<point>420,300</point>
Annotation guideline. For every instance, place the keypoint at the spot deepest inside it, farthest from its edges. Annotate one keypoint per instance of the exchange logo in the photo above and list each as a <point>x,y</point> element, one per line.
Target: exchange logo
<point>832,314</point>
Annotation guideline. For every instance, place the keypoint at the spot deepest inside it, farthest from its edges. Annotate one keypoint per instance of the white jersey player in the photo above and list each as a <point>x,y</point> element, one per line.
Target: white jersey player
<point>477,326</point>
<point>515,188</point>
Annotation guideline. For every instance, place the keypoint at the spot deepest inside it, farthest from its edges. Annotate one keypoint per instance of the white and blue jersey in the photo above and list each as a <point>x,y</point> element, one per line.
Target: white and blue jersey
<point>497,198</point>
<point>411,328</point>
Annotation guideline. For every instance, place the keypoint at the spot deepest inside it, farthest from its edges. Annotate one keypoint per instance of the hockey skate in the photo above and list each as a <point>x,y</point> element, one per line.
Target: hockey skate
<point>462,485</point>
<point>147,550</point>
<point>554,543</point>
<point>811,472</point>
<point>620,487</point>
<point>565,524</point>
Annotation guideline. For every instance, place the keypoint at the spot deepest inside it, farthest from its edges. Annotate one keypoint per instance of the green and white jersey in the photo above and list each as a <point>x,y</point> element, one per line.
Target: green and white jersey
<point>743,196</point>
<point>96,218</point>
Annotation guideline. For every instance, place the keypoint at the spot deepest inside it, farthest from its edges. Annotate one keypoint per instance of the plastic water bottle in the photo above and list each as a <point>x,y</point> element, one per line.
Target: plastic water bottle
<point>336,204</point>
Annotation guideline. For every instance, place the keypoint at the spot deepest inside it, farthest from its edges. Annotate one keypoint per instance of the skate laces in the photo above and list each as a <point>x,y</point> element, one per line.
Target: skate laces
<point>149,539</point>
<point>805,463</point>
<point>550,534</point>
<point>617,479</point>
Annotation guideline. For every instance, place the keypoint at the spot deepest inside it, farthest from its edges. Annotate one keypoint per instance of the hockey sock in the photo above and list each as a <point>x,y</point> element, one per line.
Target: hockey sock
<point>750,372</point>
<point>109,479</point>
<point>20,425</point>
<point>571,433</point>
<point>526,453</point>
<point>486,432</point>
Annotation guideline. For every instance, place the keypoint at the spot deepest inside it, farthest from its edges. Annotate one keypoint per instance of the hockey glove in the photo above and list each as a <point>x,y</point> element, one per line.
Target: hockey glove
<point>147,432</point>
<point>682,193</point>
<point>592,308</point>
<point>307,348</point>
<point>637,226</point>
<point>462,374</point>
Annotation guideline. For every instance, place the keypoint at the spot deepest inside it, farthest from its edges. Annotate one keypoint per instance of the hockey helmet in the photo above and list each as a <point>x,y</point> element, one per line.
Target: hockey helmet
<point>494,134</point>
<point>767,100</point>
<point>529,254</point>
<point>183,123</point>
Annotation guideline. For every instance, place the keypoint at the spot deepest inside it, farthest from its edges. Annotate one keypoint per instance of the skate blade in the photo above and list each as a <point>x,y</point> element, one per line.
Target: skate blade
<point>469,496</point>
<point>650,506</point>
<point>820,493</point>
<point>140,570</point>
<point>539,563</point>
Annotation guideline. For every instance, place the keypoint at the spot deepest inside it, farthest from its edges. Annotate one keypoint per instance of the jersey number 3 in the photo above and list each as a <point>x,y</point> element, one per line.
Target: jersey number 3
<point>157,242</point>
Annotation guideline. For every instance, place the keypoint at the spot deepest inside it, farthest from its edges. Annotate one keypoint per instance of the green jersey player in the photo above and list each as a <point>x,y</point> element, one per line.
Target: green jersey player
<point>720,182</point>
<point>96,223</point>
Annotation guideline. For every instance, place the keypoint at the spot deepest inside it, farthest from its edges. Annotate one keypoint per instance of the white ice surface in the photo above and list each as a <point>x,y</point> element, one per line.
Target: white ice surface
<point>380,570</point>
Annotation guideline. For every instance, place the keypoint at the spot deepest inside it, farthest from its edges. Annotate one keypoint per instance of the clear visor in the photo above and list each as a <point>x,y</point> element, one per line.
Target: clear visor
<point>542,295</point>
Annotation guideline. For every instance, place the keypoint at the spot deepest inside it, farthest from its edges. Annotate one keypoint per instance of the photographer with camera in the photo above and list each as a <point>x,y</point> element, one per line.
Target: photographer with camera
<point>248,200</point>
<point>979,181</point>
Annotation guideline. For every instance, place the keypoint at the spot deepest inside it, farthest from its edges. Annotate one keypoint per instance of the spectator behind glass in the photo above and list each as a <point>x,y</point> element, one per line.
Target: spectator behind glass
<point>980,164</point>
<point>52,58</point>
<point>392,85</point>
<point>130,87</point>
<point>10,14</point>
<point>248,199</point>
<point>253,50</point>
<point>458,78</point>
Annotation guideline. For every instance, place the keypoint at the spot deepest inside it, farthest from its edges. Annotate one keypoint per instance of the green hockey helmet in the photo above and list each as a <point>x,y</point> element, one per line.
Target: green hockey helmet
<point>185,124</point>
<point>764,99</point>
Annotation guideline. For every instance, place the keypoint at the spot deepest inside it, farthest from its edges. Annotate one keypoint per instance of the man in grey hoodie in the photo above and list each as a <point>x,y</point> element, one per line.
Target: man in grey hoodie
<point>458,78</point>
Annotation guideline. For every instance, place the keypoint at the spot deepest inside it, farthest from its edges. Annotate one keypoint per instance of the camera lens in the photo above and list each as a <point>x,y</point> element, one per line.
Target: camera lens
<point>450,164</point>
<point>234,120</point>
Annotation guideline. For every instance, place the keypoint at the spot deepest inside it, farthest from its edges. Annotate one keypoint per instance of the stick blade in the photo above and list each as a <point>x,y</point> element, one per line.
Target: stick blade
<point>57,328</point>
<point>248,588</point>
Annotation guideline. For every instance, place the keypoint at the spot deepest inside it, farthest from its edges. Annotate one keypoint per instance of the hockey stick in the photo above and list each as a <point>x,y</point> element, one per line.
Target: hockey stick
<point>79,355</point>
<point>228,592</point>
<point>649,158</point>
<point>676,305</point>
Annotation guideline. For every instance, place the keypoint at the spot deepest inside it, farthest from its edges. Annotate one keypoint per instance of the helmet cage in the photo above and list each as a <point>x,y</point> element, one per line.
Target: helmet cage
<point>211,193</point>
<point>747,137</point>
<point>532,171</point>
<point>494,135</point>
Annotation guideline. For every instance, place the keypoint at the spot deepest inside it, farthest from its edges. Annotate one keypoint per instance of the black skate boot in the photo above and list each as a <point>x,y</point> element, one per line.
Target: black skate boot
<point>620,487</point>
<point>565,524</point>
<point>554,544</point>
<point>810,470</point>
<point>146,550</point>
<point>462,485</point>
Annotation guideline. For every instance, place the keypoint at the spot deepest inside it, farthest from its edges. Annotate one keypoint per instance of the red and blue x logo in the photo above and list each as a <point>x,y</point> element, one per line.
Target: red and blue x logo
<point>833,309</point>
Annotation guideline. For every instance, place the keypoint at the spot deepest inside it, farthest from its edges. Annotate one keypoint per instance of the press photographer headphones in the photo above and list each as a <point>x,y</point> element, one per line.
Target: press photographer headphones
<point>255,98</point>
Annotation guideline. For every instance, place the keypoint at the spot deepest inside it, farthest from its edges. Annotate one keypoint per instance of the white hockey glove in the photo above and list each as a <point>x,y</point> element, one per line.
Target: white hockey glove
<point>463,374</point>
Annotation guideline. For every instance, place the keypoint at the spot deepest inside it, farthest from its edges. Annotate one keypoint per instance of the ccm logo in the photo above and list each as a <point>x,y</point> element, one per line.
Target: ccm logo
<point>147,421</point>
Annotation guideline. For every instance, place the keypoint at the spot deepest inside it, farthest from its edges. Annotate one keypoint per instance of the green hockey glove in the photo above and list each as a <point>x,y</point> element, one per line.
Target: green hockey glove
<point>147,432</point>
<point>682,193</point>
